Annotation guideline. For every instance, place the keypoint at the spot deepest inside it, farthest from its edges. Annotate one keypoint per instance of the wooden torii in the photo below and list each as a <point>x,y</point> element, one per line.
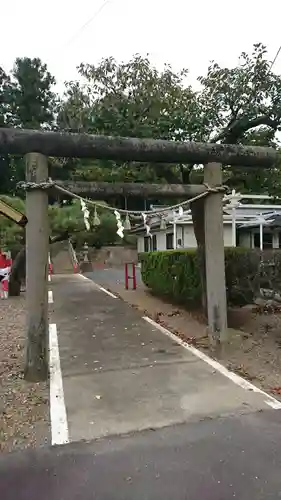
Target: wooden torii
<point>12,214</point>
<point>37,145</point>
<point>101,190</point>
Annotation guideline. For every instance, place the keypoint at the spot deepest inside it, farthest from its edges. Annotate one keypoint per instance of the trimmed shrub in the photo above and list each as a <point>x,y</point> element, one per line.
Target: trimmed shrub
<point>172,274</point>
<point>175,274</point>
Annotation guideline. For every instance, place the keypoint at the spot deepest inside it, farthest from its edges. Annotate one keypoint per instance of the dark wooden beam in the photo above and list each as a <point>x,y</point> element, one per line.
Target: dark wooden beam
<point>101,190</point>
<point>17,141</point>
<point>12,214</point>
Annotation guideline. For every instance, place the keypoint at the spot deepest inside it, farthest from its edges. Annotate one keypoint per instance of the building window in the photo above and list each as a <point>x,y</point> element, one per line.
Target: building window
<point>238,238</point>
<point>169,241</point>
<point>267,240</point>
<point>150,243</point>
<point>147,243</point>
<point>181,243</point>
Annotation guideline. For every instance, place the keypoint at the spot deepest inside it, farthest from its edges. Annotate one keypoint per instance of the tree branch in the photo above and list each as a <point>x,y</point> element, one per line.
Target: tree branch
<point>18,268</point>
<point>238,128</point>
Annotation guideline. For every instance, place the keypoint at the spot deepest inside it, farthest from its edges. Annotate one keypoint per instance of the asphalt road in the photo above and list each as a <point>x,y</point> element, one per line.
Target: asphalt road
<point>113,276</point>
<point>217,459</point>
<point>237,455</point>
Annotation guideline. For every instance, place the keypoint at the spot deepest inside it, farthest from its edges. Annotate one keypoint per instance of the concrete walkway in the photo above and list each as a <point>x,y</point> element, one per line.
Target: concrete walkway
<point>121,374</point>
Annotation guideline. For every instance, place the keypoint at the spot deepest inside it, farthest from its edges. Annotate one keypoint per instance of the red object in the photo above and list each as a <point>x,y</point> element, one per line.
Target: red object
<point>5,284</point>
<point>128,277</point>
<point>276,390</point>
<point>50,265</point>
<point>4,262</point>
<point>76,268</point>
<point>4,288</point>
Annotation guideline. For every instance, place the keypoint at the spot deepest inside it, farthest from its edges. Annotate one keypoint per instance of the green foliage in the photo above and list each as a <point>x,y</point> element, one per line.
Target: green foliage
<point>175,274</point>
<point>27,100</point>
<point>128,99</point>
<point>11,235</point>
<point>4,97</point>
<point>67,217</point>
<point>243,106</point>
<point>104,234</point>
<point>172,274</point>
<point>31,98</point>
<point>239,104</point>
<point>70,218</point>
<point>237,100</point>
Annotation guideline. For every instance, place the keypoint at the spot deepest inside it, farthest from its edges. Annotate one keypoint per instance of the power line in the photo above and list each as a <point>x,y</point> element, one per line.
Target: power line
<point>87,23</point>
<point>275,58</point>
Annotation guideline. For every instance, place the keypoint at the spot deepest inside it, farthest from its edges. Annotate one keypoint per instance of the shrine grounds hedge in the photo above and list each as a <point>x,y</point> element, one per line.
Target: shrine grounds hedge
<point>175,274</point>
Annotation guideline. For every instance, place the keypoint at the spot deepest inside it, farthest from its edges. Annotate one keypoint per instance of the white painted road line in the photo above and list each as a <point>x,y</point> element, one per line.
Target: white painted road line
<point>269,400</point>
<point>49,277</point>
<point>50,297</point>
<point>59,425</point>
<point>99,287</point>
<point>107,291</point>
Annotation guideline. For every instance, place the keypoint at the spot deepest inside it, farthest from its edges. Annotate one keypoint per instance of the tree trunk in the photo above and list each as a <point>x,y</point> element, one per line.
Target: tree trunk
<point>17,274</point>
<point>18,270</point>
<point>198,219</point>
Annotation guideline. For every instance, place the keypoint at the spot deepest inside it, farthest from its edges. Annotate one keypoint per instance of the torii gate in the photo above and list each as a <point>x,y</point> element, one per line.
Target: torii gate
<point>37,145</point>
<point>11,213</point>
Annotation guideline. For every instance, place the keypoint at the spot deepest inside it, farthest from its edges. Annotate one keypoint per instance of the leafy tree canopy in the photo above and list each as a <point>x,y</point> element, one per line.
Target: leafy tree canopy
<point>238,104</point>
<point>63,218</point>
<point>27,100</point>
<point>234,105</point>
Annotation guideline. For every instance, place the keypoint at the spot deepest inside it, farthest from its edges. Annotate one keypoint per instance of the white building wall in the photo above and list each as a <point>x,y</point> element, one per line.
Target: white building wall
<point>186,234</point>
<point>161,240</point>
<point>190,240</point>
<point>227,229</point>
<point>245,240</point>
<point>140,244</point>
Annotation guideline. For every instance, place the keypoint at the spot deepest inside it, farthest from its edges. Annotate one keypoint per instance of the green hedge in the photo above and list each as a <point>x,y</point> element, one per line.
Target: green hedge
<point>175,274</point>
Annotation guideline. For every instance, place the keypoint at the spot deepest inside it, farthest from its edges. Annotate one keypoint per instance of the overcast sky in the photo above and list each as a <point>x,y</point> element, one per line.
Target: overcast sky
<point>185,33</point>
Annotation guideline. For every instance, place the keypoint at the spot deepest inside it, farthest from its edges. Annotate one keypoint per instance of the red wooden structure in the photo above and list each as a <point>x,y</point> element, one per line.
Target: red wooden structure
<point>130,277</point>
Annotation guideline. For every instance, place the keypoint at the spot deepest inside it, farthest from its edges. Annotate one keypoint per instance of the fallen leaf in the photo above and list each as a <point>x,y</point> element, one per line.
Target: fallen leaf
<point>275,390</point>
